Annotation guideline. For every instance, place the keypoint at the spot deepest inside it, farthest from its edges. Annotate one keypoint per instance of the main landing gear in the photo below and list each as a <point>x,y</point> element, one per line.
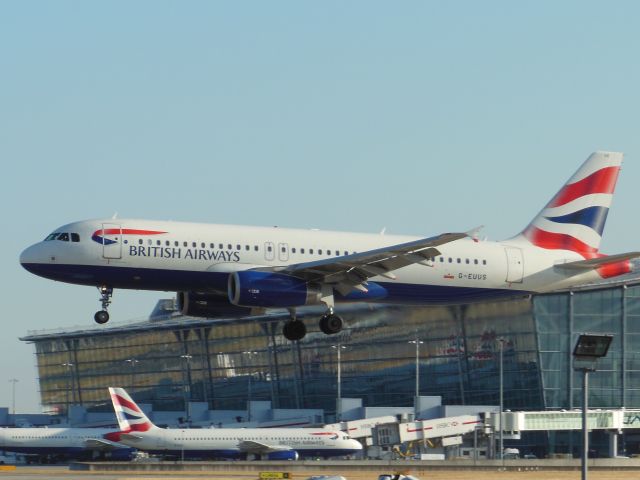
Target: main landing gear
<point>102,316</point>
<point>295,329</point>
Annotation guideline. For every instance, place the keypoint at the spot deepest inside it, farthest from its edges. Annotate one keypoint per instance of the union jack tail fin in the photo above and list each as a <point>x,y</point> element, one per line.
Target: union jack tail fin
<point>574,218</point>
<point>130,416</point>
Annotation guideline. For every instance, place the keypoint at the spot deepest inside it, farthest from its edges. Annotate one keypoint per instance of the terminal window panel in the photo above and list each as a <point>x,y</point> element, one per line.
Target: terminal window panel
<point>459,358</point>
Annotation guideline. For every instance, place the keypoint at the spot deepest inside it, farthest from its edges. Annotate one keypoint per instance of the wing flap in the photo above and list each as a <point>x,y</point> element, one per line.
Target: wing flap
<point>258,448</point>
<point>352,271</point>
<point>101,444</point>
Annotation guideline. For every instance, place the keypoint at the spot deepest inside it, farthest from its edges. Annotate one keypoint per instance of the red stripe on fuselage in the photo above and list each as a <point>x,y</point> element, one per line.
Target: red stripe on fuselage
<point>559,241</point>
<point>602,181</point>
<point>127,231</point>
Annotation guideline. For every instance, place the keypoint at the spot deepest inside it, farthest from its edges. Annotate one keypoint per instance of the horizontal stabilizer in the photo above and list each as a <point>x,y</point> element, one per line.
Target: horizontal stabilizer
<point>598,262</point>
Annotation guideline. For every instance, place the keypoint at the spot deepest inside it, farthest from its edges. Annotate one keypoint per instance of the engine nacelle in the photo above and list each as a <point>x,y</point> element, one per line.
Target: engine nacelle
<point>283,455</point>
<point>267,289</point>
<point>209,305</point>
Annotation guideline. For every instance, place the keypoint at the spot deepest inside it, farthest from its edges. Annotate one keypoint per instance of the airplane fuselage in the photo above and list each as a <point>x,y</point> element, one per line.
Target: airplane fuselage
<point>69,442</point>
<point>232,442</point>
<point>175,256</point>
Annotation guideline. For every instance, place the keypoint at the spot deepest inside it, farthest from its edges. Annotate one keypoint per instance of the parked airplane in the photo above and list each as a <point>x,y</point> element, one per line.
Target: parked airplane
<point>64,443</point>
<point>138,432</point>
<point>221,268</point>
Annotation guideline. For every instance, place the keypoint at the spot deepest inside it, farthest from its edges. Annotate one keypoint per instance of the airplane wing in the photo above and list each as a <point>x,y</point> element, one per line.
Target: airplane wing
<point>257,448</point>
<point>598,262</point>
<point>101,444</point>
<point>351,272</point>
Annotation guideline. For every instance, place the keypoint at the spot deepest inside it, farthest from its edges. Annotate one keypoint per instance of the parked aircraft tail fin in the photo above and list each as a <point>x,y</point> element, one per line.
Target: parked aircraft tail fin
<point>130,416</point>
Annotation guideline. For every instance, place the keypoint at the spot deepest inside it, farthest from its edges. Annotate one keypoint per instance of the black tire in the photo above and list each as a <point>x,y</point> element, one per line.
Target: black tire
<point>101,317</point>
<point>294,330</point>
<point>331,324</point>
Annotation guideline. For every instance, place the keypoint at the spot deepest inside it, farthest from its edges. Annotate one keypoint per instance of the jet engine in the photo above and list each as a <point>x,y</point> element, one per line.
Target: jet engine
<point>283,455</point>
<point>209,305</point>
<point>250,288</point>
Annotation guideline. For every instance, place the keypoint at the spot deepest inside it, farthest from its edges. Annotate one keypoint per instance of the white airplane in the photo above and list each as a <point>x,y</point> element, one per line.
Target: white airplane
<point>139,432</point>
<point>57,443</point>
<point>215,268</point>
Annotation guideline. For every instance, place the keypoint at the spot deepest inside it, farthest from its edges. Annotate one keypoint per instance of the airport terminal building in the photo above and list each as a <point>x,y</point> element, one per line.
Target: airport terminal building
<point>170,359</point>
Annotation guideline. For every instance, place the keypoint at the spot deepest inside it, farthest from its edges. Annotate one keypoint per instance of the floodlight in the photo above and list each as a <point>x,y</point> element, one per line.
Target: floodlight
<point>592,346</point>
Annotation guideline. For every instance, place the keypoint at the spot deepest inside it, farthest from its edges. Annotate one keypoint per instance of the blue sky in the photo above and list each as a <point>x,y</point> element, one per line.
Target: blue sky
<point>421,117</point>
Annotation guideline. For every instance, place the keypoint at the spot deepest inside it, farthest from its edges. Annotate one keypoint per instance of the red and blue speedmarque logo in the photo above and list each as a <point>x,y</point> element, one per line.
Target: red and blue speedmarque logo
<point>99,235</point>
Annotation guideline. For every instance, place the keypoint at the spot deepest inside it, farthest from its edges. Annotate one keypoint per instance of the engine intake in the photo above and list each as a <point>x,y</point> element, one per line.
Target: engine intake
<point>267,289</point>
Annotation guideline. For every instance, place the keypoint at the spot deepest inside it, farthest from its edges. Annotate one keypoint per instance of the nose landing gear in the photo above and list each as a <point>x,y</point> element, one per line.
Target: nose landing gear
<point>102,316</point>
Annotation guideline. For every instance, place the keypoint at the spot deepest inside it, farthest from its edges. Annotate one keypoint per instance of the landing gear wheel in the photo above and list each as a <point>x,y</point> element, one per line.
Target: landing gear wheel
<point>294,330</point>
<point>331,323</point>
<point>101,317</point>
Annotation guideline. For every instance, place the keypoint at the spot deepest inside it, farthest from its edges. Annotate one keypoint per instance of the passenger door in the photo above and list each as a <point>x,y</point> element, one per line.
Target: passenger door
<point>515,265</point>
<point>111,240</point>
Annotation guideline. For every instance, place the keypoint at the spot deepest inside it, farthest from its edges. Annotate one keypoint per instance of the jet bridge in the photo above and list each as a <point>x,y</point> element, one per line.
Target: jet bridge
<point>614,420</point>
<point>451,428</point>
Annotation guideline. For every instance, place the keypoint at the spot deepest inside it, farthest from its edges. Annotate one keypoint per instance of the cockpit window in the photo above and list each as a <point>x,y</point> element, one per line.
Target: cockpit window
<point>63,237</point>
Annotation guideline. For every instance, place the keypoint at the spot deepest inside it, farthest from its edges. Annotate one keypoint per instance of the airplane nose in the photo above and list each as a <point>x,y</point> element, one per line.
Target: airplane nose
<point>31,257</point>
<point>355,444</point>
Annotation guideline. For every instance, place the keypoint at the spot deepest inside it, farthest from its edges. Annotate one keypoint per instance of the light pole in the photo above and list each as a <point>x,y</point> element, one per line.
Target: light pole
<point>132,362</point>
<point>501,343</point>
<point>69,367</point>
<point>339,347</point>
<point>13,395</point>
<point>187,399</point>
<point>418,342</point>
<point>589,348</point>
<point>249,355</point>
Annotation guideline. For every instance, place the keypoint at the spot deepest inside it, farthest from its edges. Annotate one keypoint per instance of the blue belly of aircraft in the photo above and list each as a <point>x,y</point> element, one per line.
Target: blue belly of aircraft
<point>216,282</point>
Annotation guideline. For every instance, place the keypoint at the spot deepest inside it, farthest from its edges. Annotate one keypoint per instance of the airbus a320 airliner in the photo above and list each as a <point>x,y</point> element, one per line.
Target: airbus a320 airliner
<point>222,269</point>
<point>139,432</point>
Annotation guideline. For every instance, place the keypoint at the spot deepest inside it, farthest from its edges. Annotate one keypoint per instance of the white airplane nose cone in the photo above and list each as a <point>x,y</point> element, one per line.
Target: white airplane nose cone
<point>28,256</point>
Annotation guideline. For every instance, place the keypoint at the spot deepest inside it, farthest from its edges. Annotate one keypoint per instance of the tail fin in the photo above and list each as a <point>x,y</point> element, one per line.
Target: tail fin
<point>574,218</point>
<point>130,416</point>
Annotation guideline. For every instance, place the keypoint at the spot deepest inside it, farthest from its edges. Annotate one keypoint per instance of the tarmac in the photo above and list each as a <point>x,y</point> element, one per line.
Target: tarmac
<point>600,469</point>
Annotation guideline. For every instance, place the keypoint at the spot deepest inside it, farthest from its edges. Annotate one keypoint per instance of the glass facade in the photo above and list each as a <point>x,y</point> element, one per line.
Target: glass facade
<point>171,361</point>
